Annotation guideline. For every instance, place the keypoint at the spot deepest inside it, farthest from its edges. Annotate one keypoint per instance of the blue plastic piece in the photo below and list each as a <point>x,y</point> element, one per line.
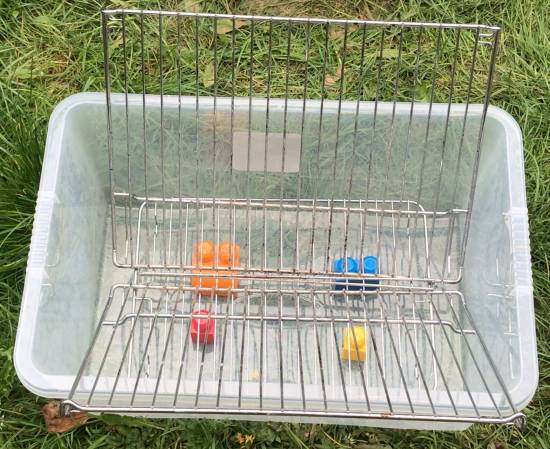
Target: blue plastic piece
<point>370,264</point>
<point>370,284</point>
<point>349,265</point>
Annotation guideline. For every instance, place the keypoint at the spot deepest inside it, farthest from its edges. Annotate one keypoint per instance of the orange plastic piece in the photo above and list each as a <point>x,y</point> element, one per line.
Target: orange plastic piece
<point>203,253</point>
<point>210,256</point>
<point>229,255</point>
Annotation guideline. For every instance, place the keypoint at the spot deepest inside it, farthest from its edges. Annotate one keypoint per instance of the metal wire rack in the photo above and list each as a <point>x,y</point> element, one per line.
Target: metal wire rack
<point>299,141</point>
<point>277,351</point>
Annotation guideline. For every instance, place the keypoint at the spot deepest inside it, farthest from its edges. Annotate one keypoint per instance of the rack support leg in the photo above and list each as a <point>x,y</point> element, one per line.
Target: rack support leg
<point>521,423</point>
<point>57,420</point>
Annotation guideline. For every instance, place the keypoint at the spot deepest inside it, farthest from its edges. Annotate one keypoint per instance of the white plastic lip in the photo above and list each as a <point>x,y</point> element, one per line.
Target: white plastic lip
<point>58,386</point>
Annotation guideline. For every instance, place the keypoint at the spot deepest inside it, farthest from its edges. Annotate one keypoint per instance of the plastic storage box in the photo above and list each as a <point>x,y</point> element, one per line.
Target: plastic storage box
<point>71,277</point>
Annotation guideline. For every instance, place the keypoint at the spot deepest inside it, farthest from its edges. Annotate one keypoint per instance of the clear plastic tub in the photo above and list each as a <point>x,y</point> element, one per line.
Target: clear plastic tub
<point>70,275</point>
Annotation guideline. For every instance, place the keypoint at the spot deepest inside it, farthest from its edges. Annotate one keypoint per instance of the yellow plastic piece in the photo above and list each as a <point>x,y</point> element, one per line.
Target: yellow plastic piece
<point>349,349</point>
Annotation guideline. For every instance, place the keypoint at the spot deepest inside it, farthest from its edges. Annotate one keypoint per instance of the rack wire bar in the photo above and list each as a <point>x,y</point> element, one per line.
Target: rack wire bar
<point>298,141</point>
<point>474,26</point>
<point>236,375</point>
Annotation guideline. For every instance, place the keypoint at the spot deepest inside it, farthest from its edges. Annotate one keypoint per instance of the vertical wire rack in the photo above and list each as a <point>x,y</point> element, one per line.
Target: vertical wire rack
<point>300,141</point>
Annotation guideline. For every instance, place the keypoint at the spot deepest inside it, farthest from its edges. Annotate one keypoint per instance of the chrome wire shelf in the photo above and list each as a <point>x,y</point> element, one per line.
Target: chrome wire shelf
<point>276,237</point>
<point>298,141</point>
<point>280,354</point>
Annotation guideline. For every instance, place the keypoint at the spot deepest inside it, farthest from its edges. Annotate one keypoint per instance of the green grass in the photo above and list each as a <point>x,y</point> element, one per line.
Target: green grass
<point>49,50</point>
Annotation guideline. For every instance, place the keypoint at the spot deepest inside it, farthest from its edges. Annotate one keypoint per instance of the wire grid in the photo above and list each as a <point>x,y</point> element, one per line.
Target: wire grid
<point>283,356</point>
<point>221,110</point>
<point>300,140</point>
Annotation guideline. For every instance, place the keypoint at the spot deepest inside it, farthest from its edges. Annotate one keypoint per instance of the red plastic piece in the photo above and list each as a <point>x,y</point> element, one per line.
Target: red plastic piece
<point>202,329</point>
